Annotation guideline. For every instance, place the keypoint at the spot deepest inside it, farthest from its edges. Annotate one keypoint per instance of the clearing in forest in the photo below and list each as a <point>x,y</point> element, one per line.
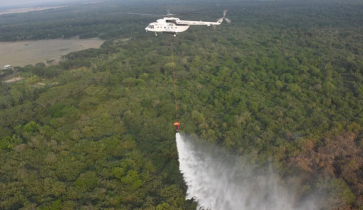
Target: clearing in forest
<point>31,52</point>
<point>26,9</point>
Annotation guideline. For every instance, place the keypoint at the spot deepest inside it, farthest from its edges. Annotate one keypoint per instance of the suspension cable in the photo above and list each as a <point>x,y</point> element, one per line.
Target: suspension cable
<point>172,60</point>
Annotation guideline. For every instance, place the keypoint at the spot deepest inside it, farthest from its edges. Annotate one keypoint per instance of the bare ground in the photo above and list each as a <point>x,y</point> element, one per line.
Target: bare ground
<point>31,52</point>
<point>15,79</point>
<point>27,9</point>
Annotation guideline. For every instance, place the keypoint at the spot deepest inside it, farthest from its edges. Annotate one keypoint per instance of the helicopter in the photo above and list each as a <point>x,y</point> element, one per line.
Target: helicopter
<point>174,25</point>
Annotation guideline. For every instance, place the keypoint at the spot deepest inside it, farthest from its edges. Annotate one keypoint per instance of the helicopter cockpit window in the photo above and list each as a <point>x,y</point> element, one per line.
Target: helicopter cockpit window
<point>151,26</point>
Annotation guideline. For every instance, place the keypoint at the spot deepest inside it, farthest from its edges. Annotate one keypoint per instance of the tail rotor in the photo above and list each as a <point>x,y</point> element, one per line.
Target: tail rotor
<point>224,17</point>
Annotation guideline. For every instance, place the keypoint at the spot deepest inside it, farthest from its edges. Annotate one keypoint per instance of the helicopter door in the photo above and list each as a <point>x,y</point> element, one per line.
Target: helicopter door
<point>170,27</point>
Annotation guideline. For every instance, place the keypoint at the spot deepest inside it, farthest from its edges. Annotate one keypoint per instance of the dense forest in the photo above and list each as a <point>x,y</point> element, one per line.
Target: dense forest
<point>282,84</point>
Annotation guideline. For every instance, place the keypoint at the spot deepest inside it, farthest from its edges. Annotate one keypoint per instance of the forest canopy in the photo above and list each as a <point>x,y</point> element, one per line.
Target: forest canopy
<point>282,83</point>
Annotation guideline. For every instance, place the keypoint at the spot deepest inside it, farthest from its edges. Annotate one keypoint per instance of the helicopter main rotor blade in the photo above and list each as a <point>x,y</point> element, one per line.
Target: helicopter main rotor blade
<point>169,14</point>
<point>193,12</point>
<point>130,13</point>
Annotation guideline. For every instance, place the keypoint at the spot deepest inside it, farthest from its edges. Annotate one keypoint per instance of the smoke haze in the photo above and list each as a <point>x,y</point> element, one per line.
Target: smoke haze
<point>219,181</point>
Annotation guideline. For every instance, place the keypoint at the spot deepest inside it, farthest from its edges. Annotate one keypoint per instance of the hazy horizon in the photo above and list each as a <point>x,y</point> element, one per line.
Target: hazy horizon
<point>19,3</point>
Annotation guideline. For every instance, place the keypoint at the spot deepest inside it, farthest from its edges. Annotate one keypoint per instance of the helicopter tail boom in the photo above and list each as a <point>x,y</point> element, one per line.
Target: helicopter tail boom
<point>204,23</point>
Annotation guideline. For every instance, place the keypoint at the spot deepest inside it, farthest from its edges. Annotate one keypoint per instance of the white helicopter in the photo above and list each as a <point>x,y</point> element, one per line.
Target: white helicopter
<point>175,25</point>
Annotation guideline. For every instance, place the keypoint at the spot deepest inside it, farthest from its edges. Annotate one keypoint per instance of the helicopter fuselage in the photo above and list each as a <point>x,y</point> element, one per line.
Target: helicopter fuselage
<point>175,25</point>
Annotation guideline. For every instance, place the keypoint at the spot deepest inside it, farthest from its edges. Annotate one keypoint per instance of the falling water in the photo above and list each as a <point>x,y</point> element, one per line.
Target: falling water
<point>219,181</point>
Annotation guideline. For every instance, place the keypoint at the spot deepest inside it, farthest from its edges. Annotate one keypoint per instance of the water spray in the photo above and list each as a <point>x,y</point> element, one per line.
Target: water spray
<point>217,180</point>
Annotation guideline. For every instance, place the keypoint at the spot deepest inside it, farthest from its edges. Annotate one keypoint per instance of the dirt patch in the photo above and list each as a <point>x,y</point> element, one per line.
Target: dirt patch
<point>26,9</point>
<point>31,52</point>
<point>122,40</point>
<point>15,79</point>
